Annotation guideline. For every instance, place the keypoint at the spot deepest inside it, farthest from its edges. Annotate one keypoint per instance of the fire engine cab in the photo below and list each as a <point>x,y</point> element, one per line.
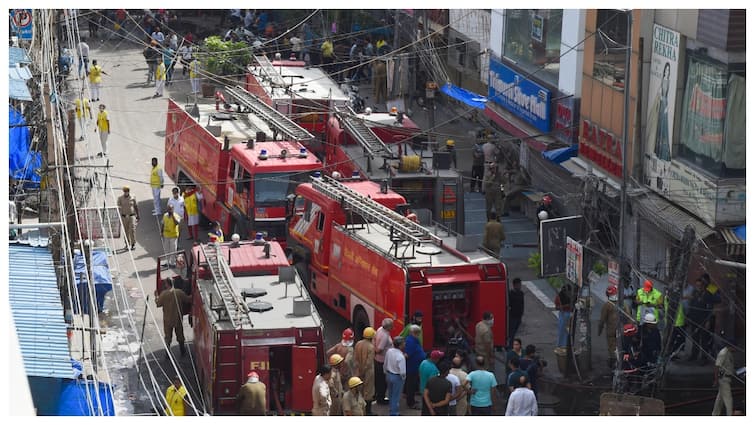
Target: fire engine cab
<point>251,312</point>
<point>367,262</point>
<point>246,157</point>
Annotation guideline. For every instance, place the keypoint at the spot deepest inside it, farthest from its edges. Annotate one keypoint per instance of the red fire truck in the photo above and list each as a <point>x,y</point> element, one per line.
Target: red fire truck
<point>246,157</point>
<point>305,94</point>
<point>250,311</point>
<point>368,262</point>
<point>425,178</point>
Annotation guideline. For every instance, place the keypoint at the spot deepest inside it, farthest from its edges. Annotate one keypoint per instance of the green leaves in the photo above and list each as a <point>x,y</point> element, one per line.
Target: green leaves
<point>225,57</point>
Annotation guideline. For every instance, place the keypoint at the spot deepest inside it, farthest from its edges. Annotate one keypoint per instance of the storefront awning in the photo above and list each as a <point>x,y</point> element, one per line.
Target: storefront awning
<point>668,217</point>
<point>560,155</point>
<point>735,239</point>
<point>470,98</point>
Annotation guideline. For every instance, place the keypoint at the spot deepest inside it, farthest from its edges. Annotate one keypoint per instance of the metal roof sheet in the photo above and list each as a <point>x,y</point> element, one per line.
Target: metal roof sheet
<point>17,55</point>
<point>18,90</point>
<point>19,72</point>
<point>38,313</point>
<point>669,217</point>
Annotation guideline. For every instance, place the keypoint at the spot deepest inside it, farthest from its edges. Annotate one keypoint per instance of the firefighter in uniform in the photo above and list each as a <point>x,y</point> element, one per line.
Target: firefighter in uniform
<point>345,349</point>
<point>364,366</point>
<point>483,344</point>
<point>353,402</point>
<point>129,215</point>
<point>609,316</point>
<point>335,386</point>
<point>492,184</point>
<point>252,396</point>
<point>649,300</point>
<point>171,300</point>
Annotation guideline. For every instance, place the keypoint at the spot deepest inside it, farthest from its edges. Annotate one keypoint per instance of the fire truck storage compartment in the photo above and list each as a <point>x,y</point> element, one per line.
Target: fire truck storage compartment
<point>452,304</point>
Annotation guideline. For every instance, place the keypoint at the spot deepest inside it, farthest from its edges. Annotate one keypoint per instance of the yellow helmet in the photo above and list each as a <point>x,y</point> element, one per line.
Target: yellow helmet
<point>335,359</point>
<point>368,332</point>
<point>450,142</point>
<point>354,381</point>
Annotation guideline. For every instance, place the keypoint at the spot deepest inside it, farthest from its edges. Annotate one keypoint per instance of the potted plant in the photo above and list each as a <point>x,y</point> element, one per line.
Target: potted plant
<point>222,60</point>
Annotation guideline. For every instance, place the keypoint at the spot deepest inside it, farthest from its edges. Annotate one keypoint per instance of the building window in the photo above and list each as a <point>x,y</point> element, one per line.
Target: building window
<point>533,41</point>
<point>712,134</point>
<point>461,50</point>
<point>610,47</point>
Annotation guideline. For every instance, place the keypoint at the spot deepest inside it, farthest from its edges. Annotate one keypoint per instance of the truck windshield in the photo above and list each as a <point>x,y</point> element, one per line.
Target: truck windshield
<point>272,188</point>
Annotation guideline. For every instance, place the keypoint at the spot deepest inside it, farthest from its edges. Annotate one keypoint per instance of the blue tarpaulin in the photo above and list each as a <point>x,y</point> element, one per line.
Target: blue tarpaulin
<point>23,162</point>
<point>85,398</point>
<point>560,155</point>
<point>741,232</point>
<point>103,282</point>
<point>466,96</point>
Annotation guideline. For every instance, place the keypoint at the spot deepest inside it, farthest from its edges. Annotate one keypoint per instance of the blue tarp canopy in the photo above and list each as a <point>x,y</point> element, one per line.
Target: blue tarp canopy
<point>470,98</point>
<point>103,282</point>
<point>741,232</point>
<point>560,155</point>
<point>23,162</point>
<point>85,398</point>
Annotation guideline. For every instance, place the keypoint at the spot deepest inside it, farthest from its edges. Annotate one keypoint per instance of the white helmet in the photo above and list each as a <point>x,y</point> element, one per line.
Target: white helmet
<point>336,175</point>
<point>367,110</point>
<point>650,318</point>
<point>235,237</point>
<point>542,215</point>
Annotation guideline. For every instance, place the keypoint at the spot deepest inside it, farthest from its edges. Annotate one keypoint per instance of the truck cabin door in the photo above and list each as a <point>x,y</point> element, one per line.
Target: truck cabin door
<point>303,372</point>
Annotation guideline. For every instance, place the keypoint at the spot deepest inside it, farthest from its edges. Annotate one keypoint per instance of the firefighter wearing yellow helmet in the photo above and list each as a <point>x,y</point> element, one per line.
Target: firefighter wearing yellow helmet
<point>335,385</point>
<point>353,401</point>
<point>364,366</point>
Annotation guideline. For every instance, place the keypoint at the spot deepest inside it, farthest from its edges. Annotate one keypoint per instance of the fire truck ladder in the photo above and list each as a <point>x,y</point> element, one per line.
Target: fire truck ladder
<point>401,228</point>
<point>235,308</point>
<point>356,127</point>
<point>269,72</point>
<point>274,118</point>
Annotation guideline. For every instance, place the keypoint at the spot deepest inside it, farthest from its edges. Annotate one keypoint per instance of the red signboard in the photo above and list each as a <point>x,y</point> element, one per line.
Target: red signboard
<point>602,147</point>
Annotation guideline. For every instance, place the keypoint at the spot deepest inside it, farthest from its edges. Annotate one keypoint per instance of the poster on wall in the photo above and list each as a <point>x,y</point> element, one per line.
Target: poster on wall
<point>664,68</point>
<point>537,28</point>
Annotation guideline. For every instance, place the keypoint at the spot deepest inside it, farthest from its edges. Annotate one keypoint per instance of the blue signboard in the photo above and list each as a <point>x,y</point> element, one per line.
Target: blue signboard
<point>20,20</point>
<point>527,100</point>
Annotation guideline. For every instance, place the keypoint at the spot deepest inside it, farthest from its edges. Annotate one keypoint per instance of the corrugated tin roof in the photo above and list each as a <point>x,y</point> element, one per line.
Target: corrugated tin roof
<point>18,90</point>
<point>38,313</point>
<point>669,217</point>
<point>19,72</point>
<point>17,55</point>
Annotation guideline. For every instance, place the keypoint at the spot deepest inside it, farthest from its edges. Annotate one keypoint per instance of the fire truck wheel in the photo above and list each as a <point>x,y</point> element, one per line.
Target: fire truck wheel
<point>360,321</point>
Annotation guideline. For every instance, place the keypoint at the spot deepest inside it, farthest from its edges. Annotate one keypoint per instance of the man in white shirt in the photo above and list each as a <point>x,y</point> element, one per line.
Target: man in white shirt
<point>382,343</point>
<point>522,402</point>
<point>395,373</point>
<point>321,400</point>
<point>158,36</point>
<point>456,393</point>
<point>83,50</point>
<point>177,202</point>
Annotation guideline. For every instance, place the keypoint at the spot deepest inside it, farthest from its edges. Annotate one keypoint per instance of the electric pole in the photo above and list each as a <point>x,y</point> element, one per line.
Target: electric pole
<point>618,379</point>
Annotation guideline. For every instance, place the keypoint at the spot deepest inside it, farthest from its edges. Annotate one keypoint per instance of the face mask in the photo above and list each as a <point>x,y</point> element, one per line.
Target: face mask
<point>613,298</point>
<point>490,322</point>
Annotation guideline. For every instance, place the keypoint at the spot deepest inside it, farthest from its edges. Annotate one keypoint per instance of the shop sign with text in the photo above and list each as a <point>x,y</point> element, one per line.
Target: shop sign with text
<point>601,147</point>
<point>524,98</point>
<point>566,123</point>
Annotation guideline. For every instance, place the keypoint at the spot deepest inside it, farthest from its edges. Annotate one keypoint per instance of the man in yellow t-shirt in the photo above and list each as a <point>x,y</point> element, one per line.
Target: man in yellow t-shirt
<point>171,223</point>
<point>95,80</point>
<point>192,197</point>
<point>194,75</point>
<point>176,398</point>
<point>160,75</point>
<point>103,126</point>
<point>83,112</point>
<point>156,182</point>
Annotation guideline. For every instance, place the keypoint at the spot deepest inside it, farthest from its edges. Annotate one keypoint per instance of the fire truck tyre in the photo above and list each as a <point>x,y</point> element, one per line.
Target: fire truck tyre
<point>360,321</point>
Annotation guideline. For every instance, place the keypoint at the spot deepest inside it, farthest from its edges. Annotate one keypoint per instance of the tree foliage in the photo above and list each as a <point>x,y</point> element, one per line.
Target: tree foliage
<point>225,57</point>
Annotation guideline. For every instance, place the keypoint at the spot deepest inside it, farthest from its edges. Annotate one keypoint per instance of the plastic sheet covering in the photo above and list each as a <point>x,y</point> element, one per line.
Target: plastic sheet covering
<point>22,161</point>
<point>465,96</point>
<point>85,398</point>
<point>103,282</point>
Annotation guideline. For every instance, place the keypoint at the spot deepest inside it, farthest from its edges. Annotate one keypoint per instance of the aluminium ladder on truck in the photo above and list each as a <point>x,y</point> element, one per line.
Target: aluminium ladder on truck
<point>237,311</point>
<point>269,72</point>
<point>274,118</point>
<point>359,131</point>
<point>401,228</point>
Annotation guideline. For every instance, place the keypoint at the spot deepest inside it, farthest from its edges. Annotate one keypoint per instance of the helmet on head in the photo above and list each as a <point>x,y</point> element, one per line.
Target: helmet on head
<point>612,290</point>
<point>253,376</point>
<point>542,215</point>
<point>354,381</point>
<point>450,142</point>
<point>648,285</point>
<point>367,110</point>
<point>547,200</point>
<point>650,318</point>
<point>335,359</point>
<point>347,334</point>
<point>630,329</point>
<point>368,332</point>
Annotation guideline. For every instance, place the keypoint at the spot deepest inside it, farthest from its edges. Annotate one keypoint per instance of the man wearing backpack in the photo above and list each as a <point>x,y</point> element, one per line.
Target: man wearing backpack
<point>478,166</point>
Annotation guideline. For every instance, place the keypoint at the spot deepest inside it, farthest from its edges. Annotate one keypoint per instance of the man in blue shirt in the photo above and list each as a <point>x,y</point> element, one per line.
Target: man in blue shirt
<point>429,368</point>
<point>483,384</point>
<point>415,355</point>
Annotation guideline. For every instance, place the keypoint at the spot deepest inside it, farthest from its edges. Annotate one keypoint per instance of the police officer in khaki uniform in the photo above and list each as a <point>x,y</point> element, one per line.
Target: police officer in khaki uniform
<point>171,300</point>
<point>129,215</point>
<point>492,184</point>
<point>252,396</point>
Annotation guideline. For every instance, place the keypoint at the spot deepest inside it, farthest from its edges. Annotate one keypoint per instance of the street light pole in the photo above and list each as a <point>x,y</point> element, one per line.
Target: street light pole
<point>617,381</point>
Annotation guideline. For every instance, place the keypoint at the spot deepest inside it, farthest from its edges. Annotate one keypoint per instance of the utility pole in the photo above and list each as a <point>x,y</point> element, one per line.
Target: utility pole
<point>51,176</point>
<point>677,283</point>
<point>92,305</point>
<point>618,378</point>
<point>397,25</point>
